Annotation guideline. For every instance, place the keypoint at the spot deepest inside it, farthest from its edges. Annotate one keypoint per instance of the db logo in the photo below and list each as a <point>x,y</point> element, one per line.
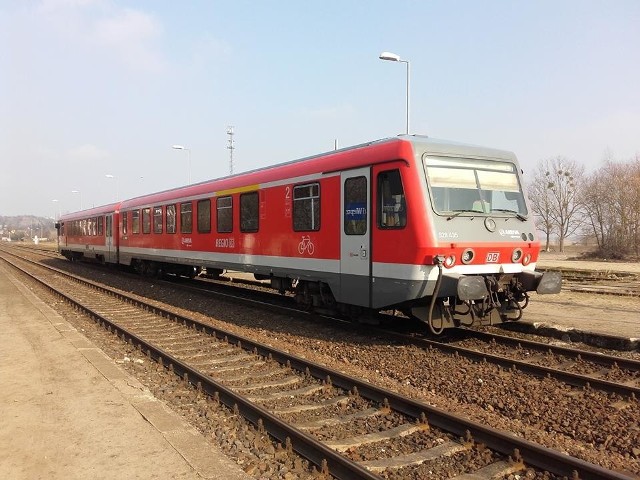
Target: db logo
<point>492,257</point>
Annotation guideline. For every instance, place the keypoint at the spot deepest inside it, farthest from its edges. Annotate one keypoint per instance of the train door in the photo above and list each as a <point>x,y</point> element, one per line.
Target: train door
<point>111,254</point>
<point>355,244</point>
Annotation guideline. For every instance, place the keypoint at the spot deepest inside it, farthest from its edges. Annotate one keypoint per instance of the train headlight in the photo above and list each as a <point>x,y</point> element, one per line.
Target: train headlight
<point>516,255</point>
<point>527,259</point>
<point>467,256</point>
<point>450,261</point>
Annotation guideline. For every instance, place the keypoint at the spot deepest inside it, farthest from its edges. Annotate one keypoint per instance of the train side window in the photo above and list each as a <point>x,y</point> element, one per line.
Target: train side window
<point>185,217</point>
<point>306,207</point>
<point>146,220</point>
<point>125,217</point>
<point>171,218</point>
<point>355,206</point>
<point>157,219</point>
<point>392,209</point>
<point>249,212</point>
<point>204,216</point>
<point>135,221</point>
<point>100,226</point>
<point>108,225</point>
<point>224,207</point>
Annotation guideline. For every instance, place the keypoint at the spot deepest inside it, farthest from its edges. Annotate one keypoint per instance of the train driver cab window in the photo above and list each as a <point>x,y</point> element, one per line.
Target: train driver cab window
<point>157,219</point>
<point>224,207</point>
<point>171,218</point>
<point>146,220</point>
<point>306,207</point>
<point>474,186</point>
<point>204,216</point>
<point>392,208</point>
<point>355,206</point>
<point>185,217</point>
<point>249,211</point>
<point>135,221</point>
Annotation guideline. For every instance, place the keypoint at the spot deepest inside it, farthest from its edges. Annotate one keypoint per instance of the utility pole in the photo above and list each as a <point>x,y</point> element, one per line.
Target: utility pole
<point>231,148</point>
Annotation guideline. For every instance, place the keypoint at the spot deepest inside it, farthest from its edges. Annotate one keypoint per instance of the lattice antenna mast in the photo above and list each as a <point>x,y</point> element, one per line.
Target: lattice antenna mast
<point>231,148</point>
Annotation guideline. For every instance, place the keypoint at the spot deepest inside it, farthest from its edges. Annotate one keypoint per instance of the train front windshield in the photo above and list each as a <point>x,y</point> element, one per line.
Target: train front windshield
<point>461,185</point>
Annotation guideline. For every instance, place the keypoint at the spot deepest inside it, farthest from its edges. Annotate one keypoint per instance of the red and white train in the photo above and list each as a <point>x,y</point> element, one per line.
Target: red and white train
<point>438,230</point>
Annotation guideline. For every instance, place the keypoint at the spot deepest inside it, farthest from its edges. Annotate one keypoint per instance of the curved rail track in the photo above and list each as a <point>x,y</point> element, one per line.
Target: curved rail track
<point>281,393</point>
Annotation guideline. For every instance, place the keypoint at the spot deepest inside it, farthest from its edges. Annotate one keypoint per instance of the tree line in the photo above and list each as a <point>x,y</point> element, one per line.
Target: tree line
<point>603,205</point>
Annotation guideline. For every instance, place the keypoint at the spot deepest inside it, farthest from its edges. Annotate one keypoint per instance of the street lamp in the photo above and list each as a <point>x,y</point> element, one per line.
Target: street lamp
<point>392,57</point>
<point>56,214</point>
<point>108,175</point>
<point>181,147</point>
<point>80,195</point>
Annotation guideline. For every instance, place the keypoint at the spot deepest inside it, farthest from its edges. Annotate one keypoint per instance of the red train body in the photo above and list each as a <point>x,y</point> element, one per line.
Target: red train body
<point>435,229</point>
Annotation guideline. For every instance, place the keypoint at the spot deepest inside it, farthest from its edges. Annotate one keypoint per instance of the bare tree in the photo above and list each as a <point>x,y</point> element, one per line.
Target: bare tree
<point>540,197</point>
<point>612,203</point>
<point>555,197</point>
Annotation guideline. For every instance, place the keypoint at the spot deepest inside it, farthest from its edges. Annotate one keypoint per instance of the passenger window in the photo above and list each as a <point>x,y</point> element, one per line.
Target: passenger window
<point>135,221</point>
<point>355,206</point>
<point>125,216</point>
<point>224,206</point>
<point>108,225</point>
<point>306,207</point>
<point>100,226</point>
<point>157,219</point>
<point>392,208</point>
<point>171,218</point>
<point>185,217</point>
<point>249,207</point>
<point>146,220</point>
<point>204,216</point>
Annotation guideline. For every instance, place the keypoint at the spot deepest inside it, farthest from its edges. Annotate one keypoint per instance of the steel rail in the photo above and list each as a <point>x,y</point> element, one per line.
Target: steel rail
<point>504,442</point>
<point>595,357</point>
<point>315,451</point>
<point>569,378</point>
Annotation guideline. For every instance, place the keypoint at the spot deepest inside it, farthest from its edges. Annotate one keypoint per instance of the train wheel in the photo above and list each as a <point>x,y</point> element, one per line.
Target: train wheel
<point>303,296</point>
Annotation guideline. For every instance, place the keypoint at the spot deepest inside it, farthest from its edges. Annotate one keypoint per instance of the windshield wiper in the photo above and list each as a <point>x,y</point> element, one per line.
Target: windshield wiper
<point>458,212</point>
<point>518,215</point>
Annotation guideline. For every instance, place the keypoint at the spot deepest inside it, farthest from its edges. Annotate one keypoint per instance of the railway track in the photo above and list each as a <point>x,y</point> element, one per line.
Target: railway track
<point>599,282</point>
<point>573,366</point>
<point>576,367</point>
<point>303,404</point>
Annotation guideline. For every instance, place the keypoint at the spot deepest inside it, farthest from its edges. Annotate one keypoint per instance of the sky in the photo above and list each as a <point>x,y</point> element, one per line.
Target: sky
<point>94,93</point>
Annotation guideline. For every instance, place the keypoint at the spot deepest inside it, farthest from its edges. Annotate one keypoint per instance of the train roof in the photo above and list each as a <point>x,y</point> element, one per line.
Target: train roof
<point>435,146</point>
<point>90,212</point>
<point>401,147</point>
<point>335,160</point>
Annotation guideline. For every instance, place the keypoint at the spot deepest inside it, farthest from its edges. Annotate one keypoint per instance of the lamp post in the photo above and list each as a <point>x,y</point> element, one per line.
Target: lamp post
<point>392,57</point>
<point>80,195</point>
<point>108,175</point>
<point>182,147</point>
<point>56,214</point>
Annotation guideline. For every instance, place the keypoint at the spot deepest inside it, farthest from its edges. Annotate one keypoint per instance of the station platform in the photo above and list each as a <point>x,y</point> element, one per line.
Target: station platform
<point>68,411</point>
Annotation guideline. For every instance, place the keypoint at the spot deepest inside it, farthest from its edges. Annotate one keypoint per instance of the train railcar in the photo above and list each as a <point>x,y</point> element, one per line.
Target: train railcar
<point>438,230</point>
<point>90,235</point>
